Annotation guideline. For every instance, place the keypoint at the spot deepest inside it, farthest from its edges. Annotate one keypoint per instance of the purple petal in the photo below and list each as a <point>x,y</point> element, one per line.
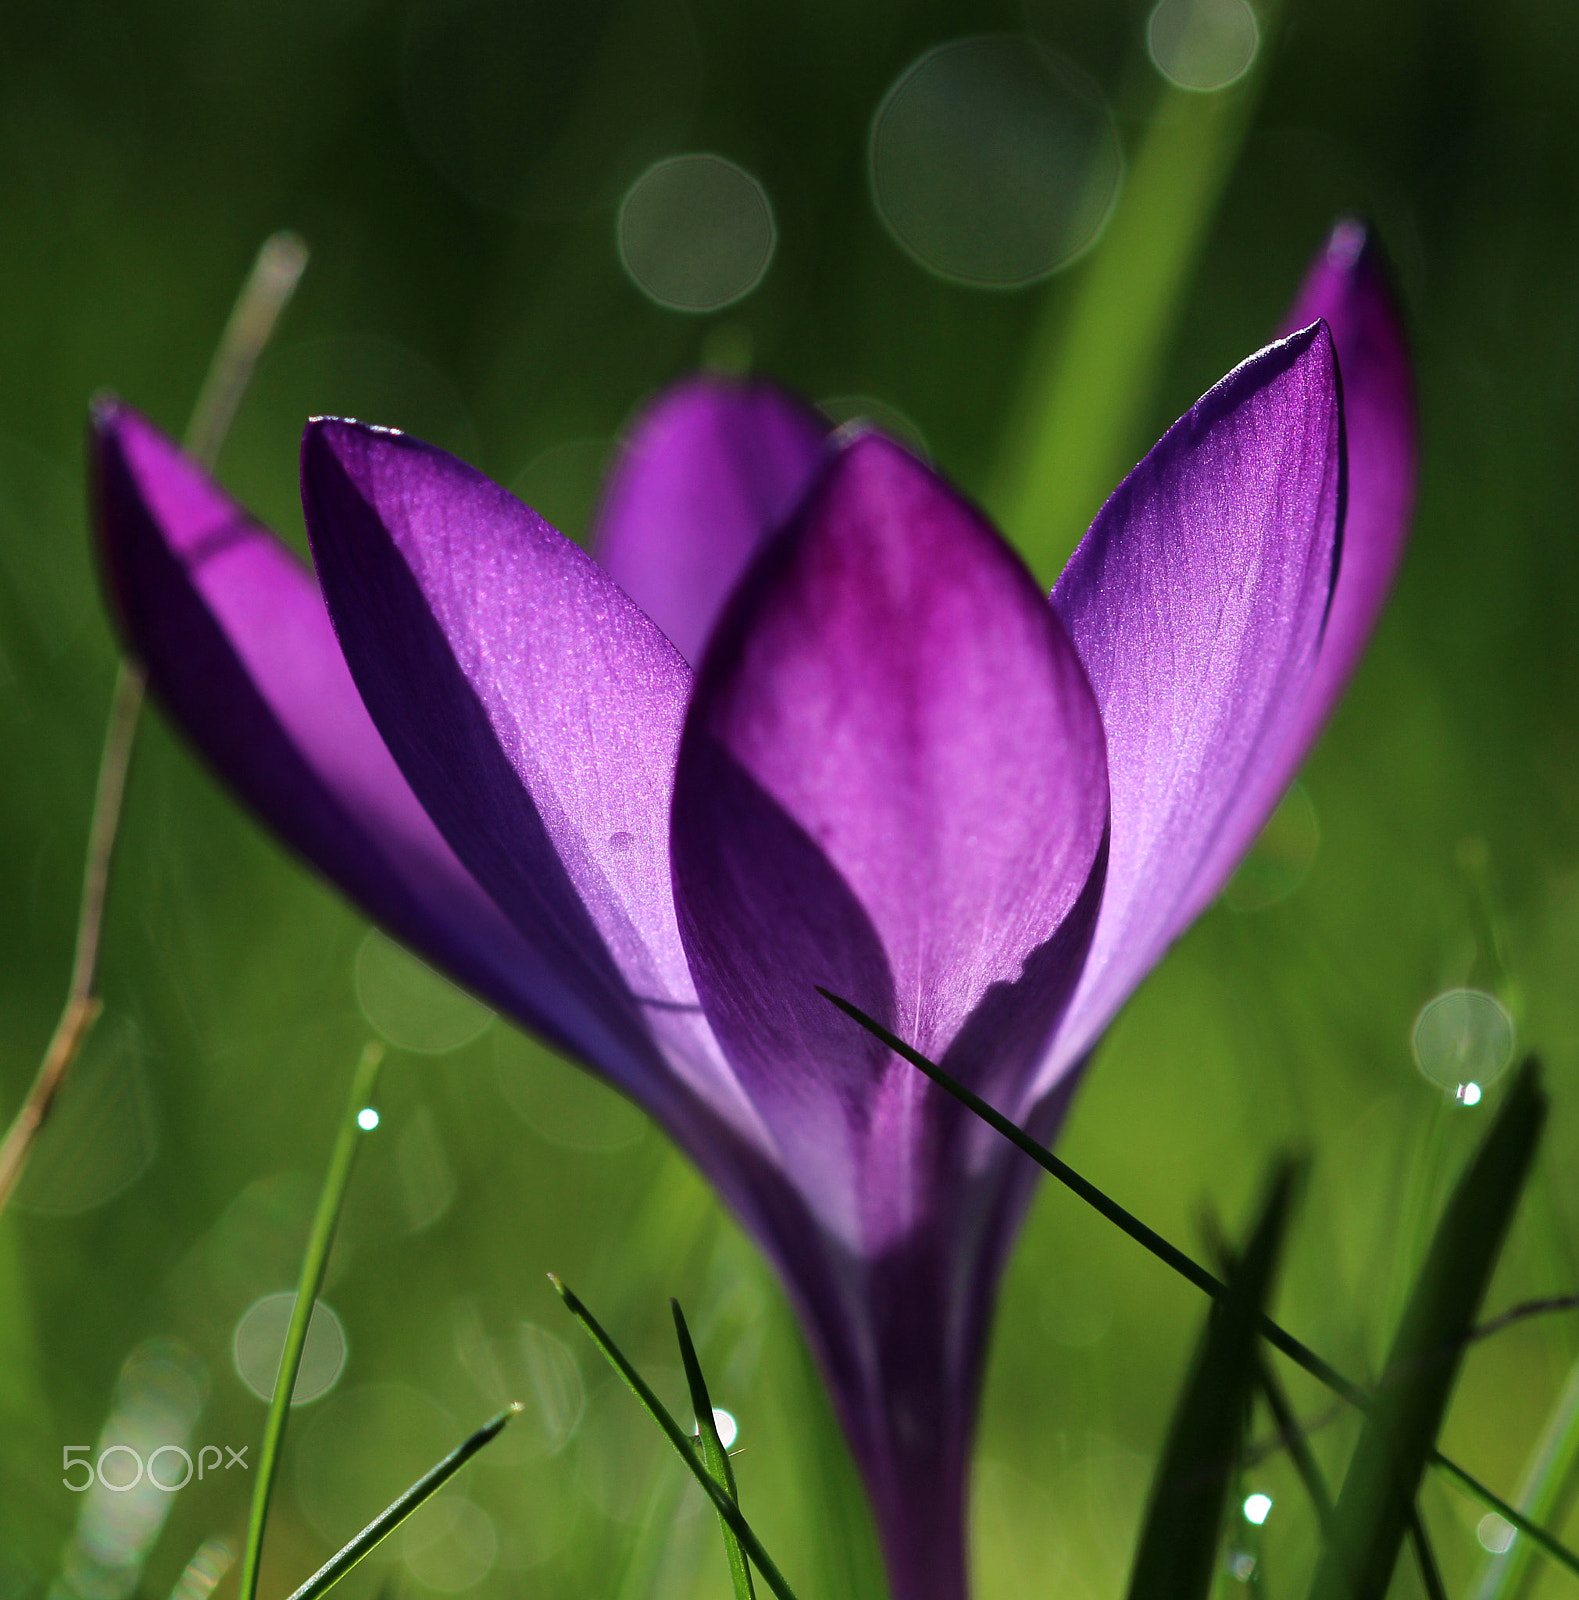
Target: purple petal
<point>709,471</point>
<point>1196,602</point>
<point>892,784</point>
<point>237,644</point>
<point>1349,286</point>
<point>532,707</point>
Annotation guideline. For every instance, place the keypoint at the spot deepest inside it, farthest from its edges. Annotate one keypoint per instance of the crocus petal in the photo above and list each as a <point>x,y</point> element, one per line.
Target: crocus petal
<point>1349,286</point>
<point>532,707</point>
<point>1196,602</point>
<point>237,644</point>
<point>709,471</point>
<point>892,783</point>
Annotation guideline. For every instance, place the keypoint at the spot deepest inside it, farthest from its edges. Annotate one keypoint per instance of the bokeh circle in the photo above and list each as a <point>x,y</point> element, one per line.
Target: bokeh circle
<point>993,161</point>
<point>696,232</point>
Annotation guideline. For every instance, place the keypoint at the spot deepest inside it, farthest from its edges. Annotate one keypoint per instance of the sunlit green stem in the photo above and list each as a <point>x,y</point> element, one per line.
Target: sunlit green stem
<point>314,1261</point>
<point>1072,435</point>
<point>1548,1486</point>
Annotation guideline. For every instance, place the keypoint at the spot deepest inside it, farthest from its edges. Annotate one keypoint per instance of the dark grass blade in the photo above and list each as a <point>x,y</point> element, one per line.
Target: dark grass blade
<point>728,1511</point>
<point>314,1261</point>
<point>1186,1266</point>
<point>1301,1354</point>
<point>1177,1554</point>
<point>1425,1556</point>
<point>1377,1504</point>
<point>713,1453</point>
<point>385,1523</point>
<point>1293,1439</point>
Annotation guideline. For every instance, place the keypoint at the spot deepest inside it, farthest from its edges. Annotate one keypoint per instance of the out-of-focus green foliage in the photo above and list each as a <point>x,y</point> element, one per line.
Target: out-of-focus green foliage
<point>145,151</point>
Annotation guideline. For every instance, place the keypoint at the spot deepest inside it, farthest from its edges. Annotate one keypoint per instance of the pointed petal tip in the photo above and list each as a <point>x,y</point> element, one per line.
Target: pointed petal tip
<point>106,412</point>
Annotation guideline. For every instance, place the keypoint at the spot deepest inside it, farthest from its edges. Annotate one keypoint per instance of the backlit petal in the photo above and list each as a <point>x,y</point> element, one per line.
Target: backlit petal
<point>1196,602</point>
<point>710,470</point>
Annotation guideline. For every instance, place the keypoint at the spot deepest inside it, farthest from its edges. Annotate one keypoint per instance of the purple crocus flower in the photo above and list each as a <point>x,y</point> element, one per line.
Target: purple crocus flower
<point>810,721</point>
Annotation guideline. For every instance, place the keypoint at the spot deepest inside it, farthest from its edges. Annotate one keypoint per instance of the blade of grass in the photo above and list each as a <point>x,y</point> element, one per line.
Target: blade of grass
<point>1377,1503</point>
<point>264,296</point>
<point>1430,1572</point>
<point>713,1452</point>
<point>1298,1446</point>
<point>1176,1556</point>
<point>727,1510</point>
<point>1489,1498</point>
<point>314,1260</point>
<point>385,1523</point>
<point>1187,1267</point>
<point>1545,1494</point>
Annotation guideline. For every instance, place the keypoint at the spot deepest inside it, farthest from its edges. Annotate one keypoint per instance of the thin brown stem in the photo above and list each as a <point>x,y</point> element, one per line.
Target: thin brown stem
<point>268,289</point>
<point>82,1005</point>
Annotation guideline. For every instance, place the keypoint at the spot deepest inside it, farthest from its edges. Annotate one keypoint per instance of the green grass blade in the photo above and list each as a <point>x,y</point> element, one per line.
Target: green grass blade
<point>1545,1494</point>
<point>727,1510</point>
<point>1176,1556</point>
<point>713,1453</point>
<point>314,1260</point>
<point>1377,1503</point>
<point>1509,1513</point>
<point>385,1523</point>
<point>1278,1337</point>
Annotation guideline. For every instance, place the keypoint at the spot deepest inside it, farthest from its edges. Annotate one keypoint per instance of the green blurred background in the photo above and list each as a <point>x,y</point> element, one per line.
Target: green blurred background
<point>464,172</point>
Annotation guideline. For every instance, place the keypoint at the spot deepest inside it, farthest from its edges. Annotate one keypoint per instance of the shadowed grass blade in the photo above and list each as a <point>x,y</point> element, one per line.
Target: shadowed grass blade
<point>314,1260</point>
<point>727,1510</point>
<point>1546,1493</point>
<point>713,1452</point>
<point>1186,1266</point>
<point>385,1523</point>
<point>1301,1354</point>
<point>1430,1572</point>
<point>1294,1441</point>
<point>1177,1552</point>
<point>1376,1507</point>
